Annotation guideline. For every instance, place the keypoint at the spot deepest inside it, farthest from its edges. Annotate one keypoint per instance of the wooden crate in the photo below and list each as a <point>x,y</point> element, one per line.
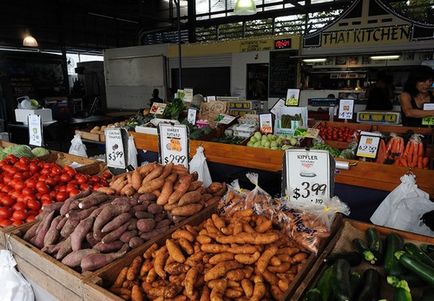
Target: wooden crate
<point>6,231</point>
<point>89,166</point>
<point>88,135</point>
<point>94,288</point>
<point>342,241</point>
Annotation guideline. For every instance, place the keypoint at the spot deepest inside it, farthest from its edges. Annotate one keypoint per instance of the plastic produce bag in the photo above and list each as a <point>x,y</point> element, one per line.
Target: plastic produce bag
<point>77,147</point>
<point>132,152</point>
<point>198,164</point>
<point>404,207</point>
<point>14,286</point>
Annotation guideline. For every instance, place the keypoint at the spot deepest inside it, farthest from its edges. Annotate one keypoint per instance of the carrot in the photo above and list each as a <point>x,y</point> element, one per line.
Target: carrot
<point>414,159</point>
<point>419,162</point>
<point>400,146</point>
<point>425,162</point>
<point>404,162</point>
<point>407,150</point>
<point>393,147</point>
<point>420,150</point>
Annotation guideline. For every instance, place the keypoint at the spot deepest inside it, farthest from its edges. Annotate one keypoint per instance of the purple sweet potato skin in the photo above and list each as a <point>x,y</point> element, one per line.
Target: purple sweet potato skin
<point>64,249</point>
<point>31,232</point>
<point>80,214</point>
<point>62,223</point>
<point>108,247</point>
<point>46,222</point>
<point>92,200</point>
<point>115,234</point>
<point>135,242</point>
<point>74,258</point>
<point>128,235</point>
<point>65,207</point>
<point>145,224</point>
<point>52,233</point>
<point>95,261</point>
<point>80,232</point>
<point>69,227</point>
<point>153,233</point>
<point>116,222</point>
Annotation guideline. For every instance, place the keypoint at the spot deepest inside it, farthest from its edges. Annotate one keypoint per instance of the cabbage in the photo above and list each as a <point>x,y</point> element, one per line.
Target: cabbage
<point>40,151</point>
<point>19,151</point>
<point>2,154</point>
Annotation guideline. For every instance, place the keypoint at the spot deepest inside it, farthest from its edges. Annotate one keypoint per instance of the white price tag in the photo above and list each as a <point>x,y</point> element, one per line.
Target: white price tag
<point>114,147</point>
<point>428,106</point>
<point>292,97</point>
<point>35,130</point>
<point>225,119</point>
<point>278,106</point>
<point>308,175</point>
<point>173,144</point>
<point>346,108</point>
<point>210,98</point>
<point>157,108</point>
<point>191,117</point>
<point>266,123</point>
<point>368,145</point>
<point>188,95</point>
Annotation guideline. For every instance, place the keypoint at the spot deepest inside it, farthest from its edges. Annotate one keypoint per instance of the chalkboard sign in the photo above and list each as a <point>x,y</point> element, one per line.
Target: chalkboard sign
<point>283,72</point>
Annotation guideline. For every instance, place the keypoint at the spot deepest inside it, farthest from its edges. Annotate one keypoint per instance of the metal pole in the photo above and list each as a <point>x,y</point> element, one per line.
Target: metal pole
<point>178,16</point>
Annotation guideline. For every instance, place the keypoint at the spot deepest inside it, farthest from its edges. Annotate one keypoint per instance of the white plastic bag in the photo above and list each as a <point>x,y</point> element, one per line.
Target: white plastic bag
<point>132,152</point>
<point>77,147</point>
<point>14,286</point>
<point>403,208</point>
<point>198,164</point>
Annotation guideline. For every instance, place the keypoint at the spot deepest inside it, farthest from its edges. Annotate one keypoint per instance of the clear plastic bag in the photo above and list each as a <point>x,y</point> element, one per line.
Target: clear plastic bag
<point>77,147</point>
<point>198,164</point>
<point>14,286</point>
<point>132,152</point>
<point>233,200</point>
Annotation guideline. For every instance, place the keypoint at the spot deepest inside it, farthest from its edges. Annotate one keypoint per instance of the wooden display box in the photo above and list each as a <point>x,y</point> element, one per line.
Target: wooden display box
<point>88,135</point>
<point>95,286</point>
<point>89,166</point>
<point>342,242</point>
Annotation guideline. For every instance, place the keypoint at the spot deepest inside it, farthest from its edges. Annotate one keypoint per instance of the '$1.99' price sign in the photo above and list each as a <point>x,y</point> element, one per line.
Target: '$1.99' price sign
<point>173,144</point>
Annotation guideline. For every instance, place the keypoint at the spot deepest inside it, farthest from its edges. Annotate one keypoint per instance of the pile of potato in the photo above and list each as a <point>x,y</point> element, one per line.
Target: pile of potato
<point>176,189</point>
<point>100,129</point>
<point>239,257</point>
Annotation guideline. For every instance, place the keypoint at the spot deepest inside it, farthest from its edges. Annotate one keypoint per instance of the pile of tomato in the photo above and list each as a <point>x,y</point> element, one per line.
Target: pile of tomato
<point>344,134</point>
<point>27,185</point>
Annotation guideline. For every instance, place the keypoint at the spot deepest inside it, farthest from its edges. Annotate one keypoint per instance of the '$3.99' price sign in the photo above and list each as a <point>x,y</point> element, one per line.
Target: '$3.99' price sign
<point>315,192</point>
<point>115,150</point>
<point>173,144</point>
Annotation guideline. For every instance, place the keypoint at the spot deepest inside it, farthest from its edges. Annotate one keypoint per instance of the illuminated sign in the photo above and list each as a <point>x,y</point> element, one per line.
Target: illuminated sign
<point>282,44</point>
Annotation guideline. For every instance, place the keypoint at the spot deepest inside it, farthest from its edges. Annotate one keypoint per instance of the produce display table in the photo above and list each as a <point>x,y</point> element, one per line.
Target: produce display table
<point>363,174</point>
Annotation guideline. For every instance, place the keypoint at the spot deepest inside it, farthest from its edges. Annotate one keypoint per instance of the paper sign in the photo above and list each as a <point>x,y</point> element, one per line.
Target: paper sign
<point>210,98</point>
<point>278,106</point>
<point>368,145</point>
<point>35,130</point>
<point>115,148</point>
<point>266,123</point>
<point>225,119</point>
<point>292,97</point>
<point>428,106</point>
<point>308,175</point>
<point>191,117</point>
<point>158,108</point>
<point>188,95</point>
<point>173,144</point>
<point>346,109</point>
<point>428,121</point>
<point>180,94</point>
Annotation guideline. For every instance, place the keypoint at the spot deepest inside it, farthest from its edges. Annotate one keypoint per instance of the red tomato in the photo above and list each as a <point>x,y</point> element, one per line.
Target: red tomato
<point>19,206</point>
<point>31,183</point>
<point>95,179</point>
<point>53,195</point>
<point>18,184</point>
<point>34,168</point>
<point>74,192</point>
<point>19,215</point>
<point>30,218</point>
<point>50,181</point>
<point>106,175</point>
<point>70,171</point>
<point>45,171</point>
<point>82,179</point>
<point>28,191</point>
<point>15,194</point>
<point>61,188</point>
<point>11,158</point>
<point>42,187</point>
<point>7,201</point>
<point>5,222</point>
<point>96,186</point>
<point>17,223</point>
<point>65,178</point>
<point>47,202</point>
<point>5,212</point>
<point>61,196</point>
<point>29,197</point>
<point>24,160</point>
<point>84,186</point>
<point>70,187</point>
<point>18,176</point>
<point>104,183</point>
<point>34,205</point>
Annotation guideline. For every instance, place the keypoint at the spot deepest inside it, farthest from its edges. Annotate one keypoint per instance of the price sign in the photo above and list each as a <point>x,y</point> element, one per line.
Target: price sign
<point>173,144</point>
<point>191,117</point>
<point>346,109</point>
<point>266,123</point>
<point>292,97</point>
<point>115,148</point>
<point>308,175</point>
<point>35,130</point>
<point>225,119</point>
<point>368,145</point>
<point>428,121</point>
<point>157,108</point>
<point>188,95</point>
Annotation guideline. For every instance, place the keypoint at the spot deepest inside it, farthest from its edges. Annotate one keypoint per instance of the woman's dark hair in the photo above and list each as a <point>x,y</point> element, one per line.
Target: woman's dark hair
<point>420,74</point>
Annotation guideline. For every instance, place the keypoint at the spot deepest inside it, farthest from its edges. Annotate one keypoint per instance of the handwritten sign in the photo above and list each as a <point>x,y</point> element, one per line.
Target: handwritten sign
<point>115,148</point>
<point>35,130</point>
<point>191,116</point>
<point>266,123</point>
<point>292,97</point>
<point>188,95</point>
<point>173,144</point>
<point>158,108</point>
<point>368,145</point>
<point>346,108</point>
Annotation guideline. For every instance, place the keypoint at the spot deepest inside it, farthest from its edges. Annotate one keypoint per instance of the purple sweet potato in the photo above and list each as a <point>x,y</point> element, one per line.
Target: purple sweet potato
<point>115,234</point>
<point>61,223</point>
<point>108,247</point>
<point>46,222</point>
<point>163,223</point>
<point>92,200</point>
<point>80,214</point>
<point>143,214</point>
<point>133,224</point>
<point>51,249</point>
<point>52,233</point>
<point>136,241</point>
<point>52,207</point>
<point>154,208</point>
<point>116,222</point>
<point>141,207</point>
<point>93,262</point>
<point>145,224</point>
<point>65,207</point>
<point>31,232</point>
<point>74,258</point>
<point>108,213</point>
<point>69,227</point>
<point>153,233</point>
<point>80,232</point>
<point>160,216</point>
<point>128,235</point>
<point>133,201</point>
<point>74,205</point>
<point>147,197</point>
<point>120,201</point>
<point>65,248</point>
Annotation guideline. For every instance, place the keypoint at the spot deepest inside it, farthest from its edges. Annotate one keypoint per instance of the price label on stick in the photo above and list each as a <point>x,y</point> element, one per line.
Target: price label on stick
<point>368,145</point>
<point>191,117</point>
<point>173,144</point>
<point>308,175</point>
<point>115,148</point>
<point>35,130</point>
<point>346,108</point>
<point>266,123</point>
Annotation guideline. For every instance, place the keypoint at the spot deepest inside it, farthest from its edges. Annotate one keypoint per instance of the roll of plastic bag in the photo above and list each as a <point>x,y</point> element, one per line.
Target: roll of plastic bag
<point>77,147</point>
<point>14,286</point>
<point>198,164</point>
<point>132,152</point>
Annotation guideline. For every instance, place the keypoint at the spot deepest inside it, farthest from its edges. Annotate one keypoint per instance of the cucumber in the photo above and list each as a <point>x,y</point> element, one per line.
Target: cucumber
<point>370,291</point>
<point>324,284</point>
<point>341,281</point>
<point>355,280</point>
<point>414,251</point>
<point>394,243</point>
<point>362,249</point>
<point>401,291</point>
<point>421,269</point>
<point>412,279</point>
<point>313,295</point>
<point>353,258</point>
<point>375,244</point>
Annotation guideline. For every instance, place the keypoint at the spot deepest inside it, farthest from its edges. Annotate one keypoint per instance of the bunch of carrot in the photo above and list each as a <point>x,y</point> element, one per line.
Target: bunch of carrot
<point>395,147</point>
<point>382,152</point>
<point>413,155</point>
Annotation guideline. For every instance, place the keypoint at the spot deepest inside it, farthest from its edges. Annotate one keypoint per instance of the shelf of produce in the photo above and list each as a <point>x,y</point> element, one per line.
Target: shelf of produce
<point>364,174</point>
<point>342,242</point>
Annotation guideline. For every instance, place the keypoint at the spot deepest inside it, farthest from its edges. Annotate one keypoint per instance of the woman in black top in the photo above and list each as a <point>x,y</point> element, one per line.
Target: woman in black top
<point>415,94</point>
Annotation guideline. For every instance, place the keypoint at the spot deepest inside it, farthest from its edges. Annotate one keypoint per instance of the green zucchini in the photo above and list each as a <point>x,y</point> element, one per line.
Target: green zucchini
<point>414,251</point>
<point>394,243</point>
<point>375,244</point>
<point>427,248</point>
<point>421,269</point>
<point>401,291</point>
<point>412,279</point>
<point>428,294</point>
<point>362,248</point>
<point>355,280</point>
<point>313,295</point>
<point>341,281</point>
<point>353,258</point>
<point>370,290</point>
<point>324,283</point>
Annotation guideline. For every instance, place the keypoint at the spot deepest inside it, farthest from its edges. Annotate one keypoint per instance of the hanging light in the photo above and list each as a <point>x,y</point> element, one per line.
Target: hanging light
<point>385,57</point>
<point>245,8</point>
<point>30,41</point>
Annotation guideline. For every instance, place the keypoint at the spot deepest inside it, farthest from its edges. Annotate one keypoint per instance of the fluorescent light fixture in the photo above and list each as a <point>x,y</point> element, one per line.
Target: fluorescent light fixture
<point>245,8</point>
<point>317,60</point>
<point>30,41</point>
<point>384,57</point>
